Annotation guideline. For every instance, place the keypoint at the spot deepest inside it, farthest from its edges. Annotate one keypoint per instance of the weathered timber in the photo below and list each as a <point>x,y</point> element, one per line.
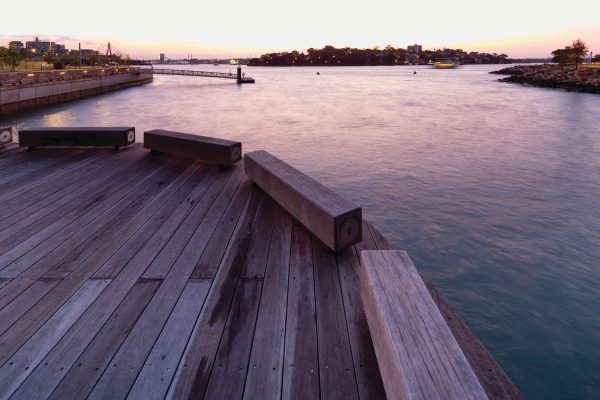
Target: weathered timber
<point>194,147</point>
<point>418,356</point>
<point>77,136</point>
<point>334,220</point>
<point>5,135</point>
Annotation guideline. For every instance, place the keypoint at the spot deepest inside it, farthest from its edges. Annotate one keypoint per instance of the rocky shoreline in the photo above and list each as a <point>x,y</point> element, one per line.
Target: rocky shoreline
<point>585,79</point>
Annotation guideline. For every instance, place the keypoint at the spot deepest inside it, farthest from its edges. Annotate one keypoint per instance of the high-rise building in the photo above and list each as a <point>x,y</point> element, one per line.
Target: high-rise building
<point>162,57</point>
<point>414,49</point>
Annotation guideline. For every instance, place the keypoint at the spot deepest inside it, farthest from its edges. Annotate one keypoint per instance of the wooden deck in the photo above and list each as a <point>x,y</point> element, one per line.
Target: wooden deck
<point>128,275</point>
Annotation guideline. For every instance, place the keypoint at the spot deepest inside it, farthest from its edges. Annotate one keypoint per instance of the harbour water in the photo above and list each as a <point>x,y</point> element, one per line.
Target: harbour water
<point>492,188</point>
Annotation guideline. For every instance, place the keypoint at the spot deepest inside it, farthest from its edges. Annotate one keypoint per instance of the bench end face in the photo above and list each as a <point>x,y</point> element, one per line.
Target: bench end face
<point>5,135</point>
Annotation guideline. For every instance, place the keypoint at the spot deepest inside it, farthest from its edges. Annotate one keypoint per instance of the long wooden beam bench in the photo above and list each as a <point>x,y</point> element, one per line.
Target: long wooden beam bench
<point>77,136</point>
<point>336,221</point>
<point>195,147</point>
<point>5,135</point>
<point>417,354</point>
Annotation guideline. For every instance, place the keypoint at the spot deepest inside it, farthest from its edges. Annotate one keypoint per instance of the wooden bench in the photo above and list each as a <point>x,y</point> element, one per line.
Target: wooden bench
<point>93,136</point>
<point>417,354</point>
<point>5,135</point>
<point>194,147</point>
<point>334,220</point>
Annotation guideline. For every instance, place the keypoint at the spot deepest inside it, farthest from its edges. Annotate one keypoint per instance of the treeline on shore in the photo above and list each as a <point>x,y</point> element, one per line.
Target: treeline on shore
<point>389,55</point>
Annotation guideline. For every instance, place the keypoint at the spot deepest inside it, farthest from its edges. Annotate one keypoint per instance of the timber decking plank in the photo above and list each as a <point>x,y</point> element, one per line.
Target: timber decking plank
<point>56,186</point>
<point>3,282</point>
<point>36,316</point>
<point>368,377</point>
<point>126,364</point>
<point>21,305</point>
<point>124,210</point>
<point>29,165</point>
<point>195,208</point>
<point>88,368</point>
<point>229,182</point>
<point>265,371</point>
<point>210,260</point>
<point>41,171</point>
<point>25,190</point>
<point>193,371</point>
<point>160,366</point>
<point>23,360</point>
<point>156,217</point>
<point>336,369</point>
<point>301,359</point>
<point>231,363</point>
<point>44,241</point>
<point>44,220</point>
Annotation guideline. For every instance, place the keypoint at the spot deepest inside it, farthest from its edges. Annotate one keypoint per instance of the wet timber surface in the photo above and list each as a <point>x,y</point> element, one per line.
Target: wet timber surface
<point>124,274</point>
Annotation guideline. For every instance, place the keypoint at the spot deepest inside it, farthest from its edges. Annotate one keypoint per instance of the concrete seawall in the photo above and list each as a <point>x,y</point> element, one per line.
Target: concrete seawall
<point>18,94</point>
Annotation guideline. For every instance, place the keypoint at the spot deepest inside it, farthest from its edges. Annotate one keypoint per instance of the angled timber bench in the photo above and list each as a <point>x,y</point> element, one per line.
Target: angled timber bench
<point>77,136</point>
<point>334,220</point>
<point>194,147</point>
<point>417,354</point>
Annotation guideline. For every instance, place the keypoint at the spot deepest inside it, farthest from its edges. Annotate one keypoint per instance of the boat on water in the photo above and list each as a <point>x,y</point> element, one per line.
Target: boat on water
<point>445,64</point>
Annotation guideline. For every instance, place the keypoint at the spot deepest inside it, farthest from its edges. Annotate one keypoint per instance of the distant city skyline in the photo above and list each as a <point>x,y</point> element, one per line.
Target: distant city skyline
<point>242,29</point>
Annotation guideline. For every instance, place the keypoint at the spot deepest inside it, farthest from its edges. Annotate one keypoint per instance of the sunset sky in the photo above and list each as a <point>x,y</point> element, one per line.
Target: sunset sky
<point>520,28</point>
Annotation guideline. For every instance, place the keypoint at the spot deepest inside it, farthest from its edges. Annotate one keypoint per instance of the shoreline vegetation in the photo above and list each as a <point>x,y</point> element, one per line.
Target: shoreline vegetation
<point>332,56</point>
<point>584,79</point>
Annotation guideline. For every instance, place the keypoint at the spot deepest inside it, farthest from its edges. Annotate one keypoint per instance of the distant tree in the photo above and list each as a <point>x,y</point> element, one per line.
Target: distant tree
<point>572,54</point>
<point>580,50</point>
<point>562,56</point>
<point>10,57</point>
<point>92,59</point>
<point>596,58</point>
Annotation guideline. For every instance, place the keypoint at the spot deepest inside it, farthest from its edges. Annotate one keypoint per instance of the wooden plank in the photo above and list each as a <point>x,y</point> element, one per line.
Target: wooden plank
<point>330,217</point>
<point>301,360</point>
<point>124,210</point>
<point>493,379</point>
<point>127,363</point>
<point>21,305</point>
<point>156,217</point>
<point>265,371</point>
<point>336,369</point>
<point>173,245</point>
<point>37,168</point>
<point>43,222</point>
<point>36,316</point>
<point>160,366</point>
<point>77,136</point>
<point>83,375</point>
<point>418,356</point>
<point>368,377</point>
<point>195,147</point>
<point>231,363</point>
<point>49,174</point>
<point>172,250</point>
<point>57,185</point>
<point>193,371</point>
<point>210,260</point>
<point>19,366</point>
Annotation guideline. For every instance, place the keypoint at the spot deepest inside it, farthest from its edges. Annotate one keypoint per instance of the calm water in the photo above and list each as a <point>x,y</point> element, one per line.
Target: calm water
<point>493,188</point>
